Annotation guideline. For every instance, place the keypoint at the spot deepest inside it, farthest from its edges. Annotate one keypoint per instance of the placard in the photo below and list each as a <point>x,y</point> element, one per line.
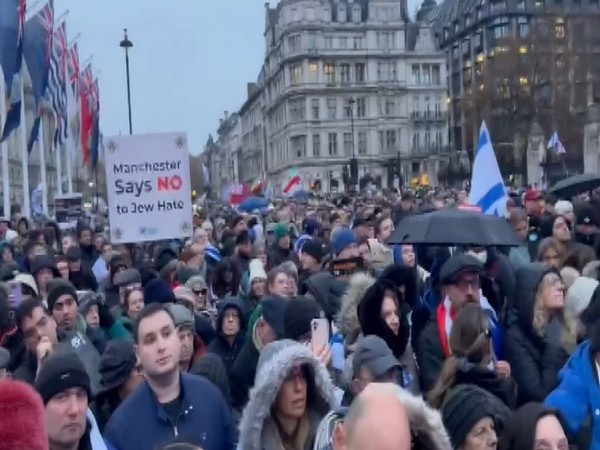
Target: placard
<point>148,187</point>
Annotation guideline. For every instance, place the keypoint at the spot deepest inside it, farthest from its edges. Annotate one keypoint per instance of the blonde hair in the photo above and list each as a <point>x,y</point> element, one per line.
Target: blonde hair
<point>541,317</point>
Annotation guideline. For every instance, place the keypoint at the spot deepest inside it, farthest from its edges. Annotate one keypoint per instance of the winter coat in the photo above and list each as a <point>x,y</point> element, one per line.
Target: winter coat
<point>141,423</point>
<point>361,316</point>
<point>219,345</point>
<point>534,360</point>
<point>257,429</point>
<point>577,397</point>
<point>327,290</point>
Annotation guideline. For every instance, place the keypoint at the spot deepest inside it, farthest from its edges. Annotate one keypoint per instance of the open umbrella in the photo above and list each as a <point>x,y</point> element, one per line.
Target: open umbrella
<point>301,195</point>
<point>454,226</point>
<point>575,185</point>
<point>251,203</point>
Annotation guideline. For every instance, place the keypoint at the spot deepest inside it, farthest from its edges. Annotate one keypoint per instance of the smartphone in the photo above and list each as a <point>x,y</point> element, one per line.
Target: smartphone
<point>16,295</point>
<point>319,334</point>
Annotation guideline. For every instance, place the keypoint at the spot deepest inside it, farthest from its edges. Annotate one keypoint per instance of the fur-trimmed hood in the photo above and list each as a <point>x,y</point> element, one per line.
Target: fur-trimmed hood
<point>347,320</point>
<point>591,270</point>
<point>425,423</point>
<point>275,362</point>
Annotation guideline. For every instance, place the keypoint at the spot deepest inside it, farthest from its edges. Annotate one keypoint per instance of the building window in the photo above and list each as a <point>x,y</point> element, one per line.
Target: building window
<point>310,14</point>
<point>298,144</point>
<point>297,109</point>
<point>312,41</point>
<point>316,145</point>
<point>296,74</point>
<point>361,107</point>
<point>347,144</point>
<point>386,40</point>
<point>390,141</point>
<point>438,107</point>
<point>359,72</point>
<point>559,29</point>
<point>416,140</point>
<point>343,42</point>
<point>329,70</point>
<point>362,143</point>
<point>427,107</point>
<point>348,108</point>
<point>356,14</point>
<point>313,67</point>
<point>438,139</point>
<point>328,41</point>
<point>294,43</point>
<point>345,73</point>
<point>522,26</point>
<point>390,106</point>
<point>426,74</point>
<point>435,74</point>
<point>332,144</point>
<point>358,42</point>
<point>415,105</point>
<point>416,74</point>
<point>381,142</point>
<point>427,138</point>
<point>342,13</point>
<point>315,108</point>
<point>386,71</point>
<point>331,108</point>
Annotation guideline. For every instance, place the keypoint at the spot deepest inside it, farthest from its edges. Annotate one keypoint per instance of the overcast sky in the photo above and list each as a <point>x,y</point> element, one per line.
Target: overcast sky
<point>190,62</point>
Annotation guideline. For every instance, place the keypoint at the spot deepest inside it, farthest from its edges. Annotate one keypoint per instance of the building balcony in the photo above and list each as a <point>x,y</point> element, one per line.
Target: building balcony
<point>423,151</point>
<point>428,116</point>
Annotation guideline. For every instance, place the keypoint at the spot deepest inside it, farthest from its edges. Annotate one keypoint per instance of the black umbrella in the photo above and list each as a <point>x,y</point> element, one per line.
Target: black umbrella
<point>575,185</point>
<point>454,226</point>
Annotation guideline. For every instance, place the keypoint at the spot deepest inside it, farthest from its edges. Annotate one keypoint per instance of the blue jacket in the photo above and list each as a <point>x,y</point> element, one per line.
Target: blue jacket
<point>577,397</point>
<point>140,423</point>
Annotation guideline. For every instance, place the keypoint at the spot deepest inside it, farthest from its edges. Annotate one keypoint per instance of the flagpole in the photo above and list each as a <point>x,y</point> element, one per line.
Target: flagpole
<point>26,211</point>
<point>69,173</point>
<point>58,151</point>
<point>41,148</point>
<point>4,150</point>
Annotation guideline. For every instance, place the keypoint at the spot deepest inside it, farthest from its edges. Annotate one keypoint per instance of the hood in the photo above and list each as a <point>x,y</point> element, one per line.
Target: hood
<point>347,321</point>
<point>425,423</point>
<point>275,362</point>
<point>591,270</point>
<point>528,279</point>
<point>328,291</point>
<point>232,302</point>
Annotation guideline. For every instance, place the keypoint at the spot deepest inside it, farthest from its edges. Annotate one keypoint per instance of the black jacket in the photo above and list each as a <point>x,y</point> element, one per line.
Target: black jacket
<point>219,345</point>
<point>534,360</point>
<point>242,374</point>
<point>430,354</point>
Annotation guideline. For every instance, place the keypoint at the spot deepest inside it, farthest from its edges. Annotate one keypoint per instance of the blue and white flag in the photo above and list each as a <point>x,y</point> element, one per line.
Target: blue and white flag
<point>555,144</point>
<point>487,187</point>
<point>37,199</point>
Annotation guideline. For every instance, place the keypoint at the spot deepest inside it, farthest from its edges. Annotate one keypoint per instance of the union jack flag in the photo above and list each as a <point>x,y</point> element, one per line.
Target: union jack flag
<point>90,87</point>
<point>61,48</point>
<point>46,19</point>
<point>73,65</point>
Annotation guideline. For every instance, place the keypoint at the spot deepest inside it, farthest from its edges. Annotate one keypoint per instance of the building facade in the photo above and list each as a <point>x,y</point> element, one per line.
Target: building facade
<point>346,79</point>
<point>516,64</point>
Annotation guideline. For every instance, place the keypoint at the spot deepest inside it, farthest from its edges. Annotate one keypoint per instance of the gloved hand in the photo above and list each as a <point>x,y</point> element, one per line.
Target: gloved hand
<point>106,318</point>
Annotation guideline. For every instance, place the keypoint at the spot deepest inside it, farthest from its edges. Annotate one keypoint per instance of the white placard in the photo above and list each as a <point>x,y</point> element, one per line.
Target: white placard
<point>148,184</point>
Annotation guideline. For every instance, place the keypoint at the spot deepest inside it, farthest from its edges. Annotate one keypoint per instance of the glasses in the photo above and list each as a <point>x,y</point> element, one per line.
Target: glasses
<point>200,292</point>
<point>465,284</point>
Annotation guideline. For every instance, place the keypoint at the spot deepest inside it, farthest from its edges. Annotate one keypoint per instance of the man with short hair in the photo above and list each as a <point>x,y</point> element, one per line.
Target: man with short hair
<point>65,388</point>
<point>168,403</point>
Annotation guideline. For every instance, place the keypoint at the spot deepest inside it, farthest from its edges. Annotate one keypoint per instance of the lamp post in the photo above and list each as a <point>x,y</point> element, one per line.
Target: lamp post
<point>353,161</point>
<point>126,44</point>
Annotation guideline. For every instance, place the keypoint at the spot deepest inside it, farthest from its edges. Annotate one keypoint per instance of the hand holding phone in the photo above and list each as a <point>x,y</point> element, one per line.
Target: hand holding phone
<point>319,334</point>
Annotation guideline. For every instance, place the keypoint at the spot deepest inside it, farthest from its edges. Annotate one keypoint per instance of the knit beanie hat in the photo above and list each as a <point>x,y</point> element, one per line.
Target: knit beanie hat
<point>256,270</point>
<point>314,248</point>
<point>298,315</point>
<point>60,372</point>
<point>467,404</point>
<point>158,291</point>
<point>579,296</point>
<point>58,287</point>
<point>281,230</point>
<point>343,239</point>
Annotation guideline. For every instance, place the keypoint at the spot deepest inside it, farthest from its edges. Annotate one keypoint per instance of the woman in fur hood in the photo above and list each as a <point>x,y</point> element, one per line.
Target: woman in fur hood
<point>377,307</point>
<point>292,393</point>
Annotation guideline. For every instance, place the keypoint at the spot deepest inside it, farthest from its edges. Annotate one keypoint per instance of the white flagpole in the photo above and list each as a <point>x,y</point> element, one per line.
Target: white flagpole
<point>24,153</point>
<point>41,148</point>
<point>69,172</point>
<point>58,151</point>
<point>4,150</point>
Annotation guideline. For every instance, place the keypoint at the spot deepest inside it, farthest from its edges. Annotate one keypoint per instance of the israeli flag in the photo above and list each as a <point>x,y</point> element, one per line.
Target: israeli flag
<point>555,144</point>
<point>36,200</point>
<point>487,187</point>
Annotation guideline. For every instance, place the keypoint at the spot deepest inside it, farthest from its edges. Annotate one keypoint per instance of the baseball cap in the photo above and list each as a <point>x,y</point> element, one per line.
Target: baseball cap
<point>373,353</point>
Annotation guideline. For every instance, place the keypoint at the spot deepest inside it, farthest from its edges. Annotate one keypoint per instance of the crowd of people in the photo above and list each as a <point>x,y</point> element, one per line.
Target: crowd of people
<point>304,327</point>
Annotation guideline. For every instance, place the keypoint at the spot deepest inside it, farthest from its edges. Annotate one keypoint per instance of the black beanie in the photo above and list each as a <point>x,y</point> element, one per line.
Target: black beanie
<point>60,372</point>
<point>58,287</point>
<point>298,315</point>
<point>314,248</point>
<point>467,404</point>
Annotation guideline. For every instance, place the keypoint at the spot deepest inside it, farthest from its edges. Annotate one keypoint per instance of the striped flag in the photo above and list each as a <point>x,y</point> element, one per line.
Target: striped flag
<point>293,182</point>
<point>555,144</point>
<point>57,84</point>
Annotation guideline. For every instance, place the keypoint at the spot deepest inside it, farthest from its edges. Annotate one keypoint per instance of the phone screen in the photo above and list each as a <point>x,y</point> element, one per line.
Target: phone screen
<point>319,334</point>
<point>16,295</point>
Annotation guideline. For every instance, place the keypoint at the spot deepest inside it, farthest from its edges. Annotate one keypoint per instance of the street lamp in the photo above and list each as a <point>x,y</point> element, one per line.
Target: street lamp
<point>351,103</point>
<point>127,44</point>
<point>353,161</point>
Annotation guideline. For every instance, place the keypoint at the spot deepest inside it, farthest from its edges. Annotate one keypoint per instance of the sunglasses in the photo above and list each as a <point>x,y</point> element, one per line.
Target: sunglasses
<point>200,291</point>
